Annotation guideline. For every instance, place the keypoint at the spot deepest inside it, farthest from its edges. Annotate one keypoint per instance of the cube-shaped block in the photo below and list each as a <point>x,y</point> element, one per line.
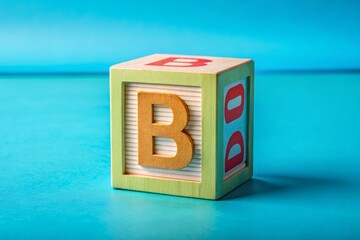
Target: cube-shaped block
<point>182,125</point>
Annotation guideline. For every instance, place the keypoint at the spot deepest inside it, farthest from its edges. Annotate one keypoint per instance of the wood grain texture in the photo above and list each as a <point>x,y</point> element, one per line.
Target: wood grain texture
<point>148,129</point>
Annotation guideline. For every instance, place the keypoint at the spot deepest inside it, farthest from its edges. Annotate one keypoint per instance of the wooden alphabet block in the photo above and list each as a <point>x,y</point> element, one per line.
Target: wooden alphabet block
<point>182,125</point>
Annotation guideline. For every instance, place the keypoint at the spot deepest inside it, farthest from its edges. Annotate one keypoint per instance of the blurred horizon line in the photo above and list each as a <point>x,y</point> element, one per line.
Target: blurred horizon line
<point>101,73</point>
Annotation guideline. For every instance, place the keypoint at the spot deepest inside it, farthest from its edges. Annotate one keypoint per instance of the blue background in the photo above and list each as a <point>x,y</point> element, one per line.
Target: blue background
<point>77,36</point>
<point>54,118</point>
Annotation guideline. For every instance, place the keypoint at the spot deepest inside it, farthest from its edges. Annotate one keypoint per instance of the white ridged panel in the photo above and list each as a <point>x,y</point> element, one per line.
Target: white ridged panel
<point>192,97</point>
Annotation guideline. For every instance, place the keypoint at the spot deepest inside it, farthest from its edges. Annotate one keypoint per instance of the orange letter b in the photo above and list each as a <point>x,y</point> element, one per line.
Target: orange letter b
<point>147,129</point>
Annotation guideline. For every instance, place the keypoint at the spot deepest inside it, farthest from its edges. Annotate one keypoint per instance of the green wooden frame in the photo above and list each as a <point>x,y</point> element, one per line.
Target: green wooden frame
<point>204,189</point>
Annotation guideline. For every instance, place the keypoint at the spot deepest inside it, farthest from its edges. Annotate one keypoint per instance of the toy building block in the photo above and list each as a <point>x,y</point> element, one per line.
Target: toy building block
<point>182,125</point>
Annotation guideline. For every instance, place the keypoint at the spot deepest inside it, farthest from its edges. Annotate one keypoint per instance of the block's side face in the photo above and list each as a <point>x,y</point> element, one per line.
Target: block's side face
<point>235,118</point>
<point>191,95</point>
<point>196,90</point>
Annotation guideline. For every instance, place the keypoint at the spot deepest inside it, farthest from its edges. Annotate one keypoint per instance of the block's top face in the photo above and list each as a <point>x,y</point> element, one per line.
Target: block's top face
<point>182,63</point>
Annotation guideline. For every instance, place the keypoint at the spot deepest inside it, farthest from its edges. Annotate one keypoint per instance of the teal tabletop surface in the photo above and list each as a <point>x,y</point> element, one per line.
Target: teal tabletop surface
<point>55,166</point>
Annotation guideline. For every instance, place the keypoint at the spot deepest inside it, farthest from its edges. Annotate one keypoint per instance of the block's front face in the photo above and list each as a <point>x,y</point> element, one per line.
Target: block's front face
<point>196,91</point>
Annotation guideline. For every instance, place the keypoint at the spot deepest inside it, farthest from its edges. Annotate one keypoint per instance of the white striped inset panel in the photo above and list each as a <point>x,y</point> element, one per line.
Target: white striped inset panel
<point>192,97</point>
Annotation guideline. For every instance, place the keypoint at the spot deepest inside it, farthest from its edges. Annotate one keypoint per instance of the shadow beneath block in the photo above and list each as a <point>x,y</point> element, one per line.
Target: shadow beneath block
<point>253,187</point>
<point>282,184</point>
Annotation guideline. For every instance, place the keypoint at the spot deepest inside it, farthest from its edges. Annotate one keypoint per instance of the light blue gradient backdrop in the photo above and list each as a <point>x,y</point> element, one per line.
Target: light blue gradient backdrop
<point>78,36</point>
